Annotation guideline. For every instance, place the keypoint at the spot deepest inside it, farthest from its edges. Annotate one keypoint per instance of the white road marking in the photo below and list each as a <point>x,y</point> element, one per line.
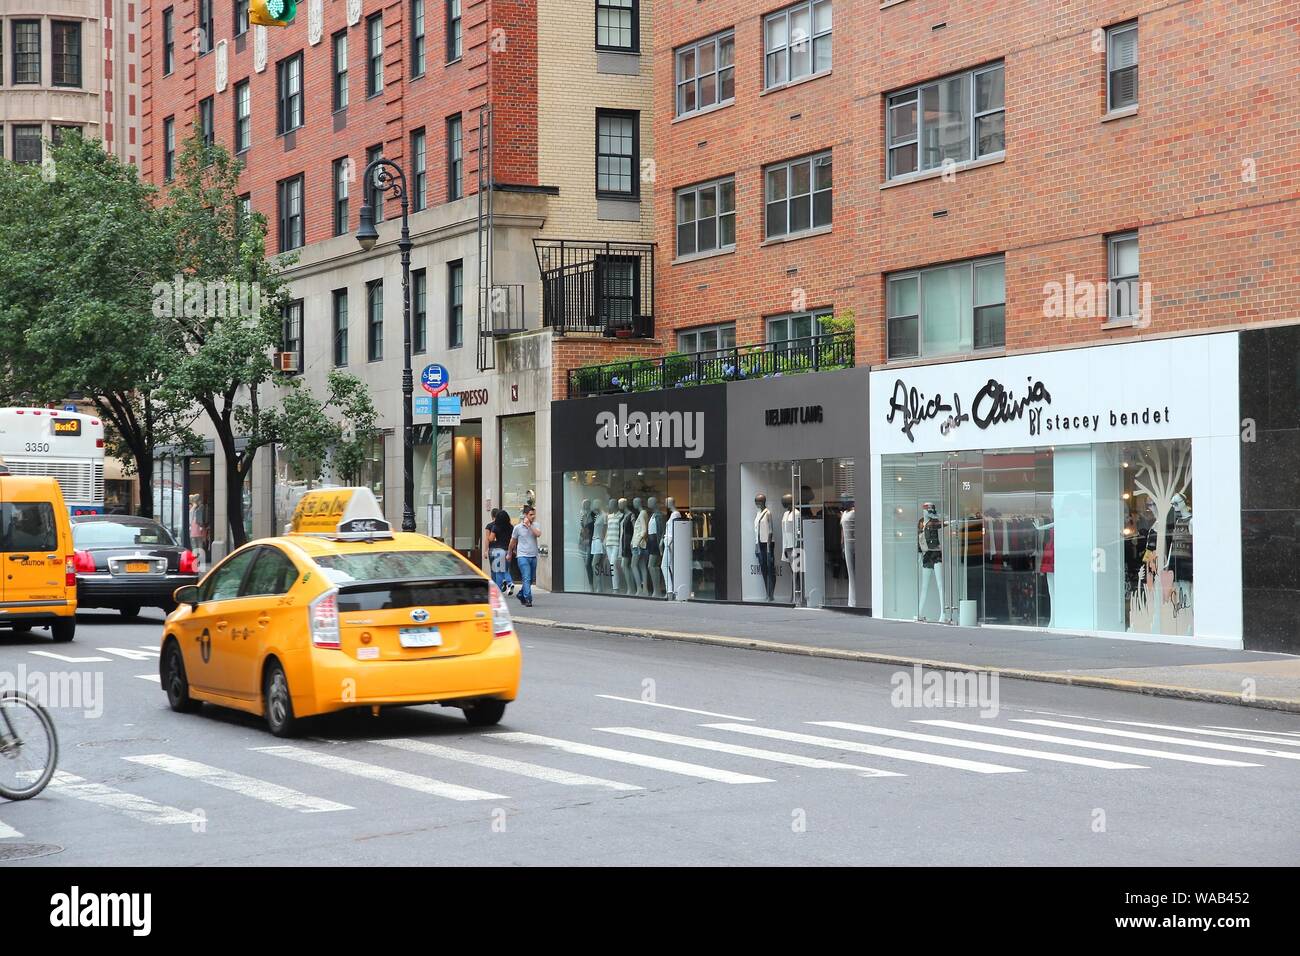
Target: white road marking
<point>129,653</point>
<point>1257,738</point>
<point>689,710</point>
<point>73,660</point>
<point>396,778</point>
<point>1163,739</point>
<point>794,760</point>
<point>153,677</point>
<point>956,763</point>
<point>6,831</point>
<point>979,745</point>
<point>636,759</point>
<point>1086,744</point>
<point>150,647</point>
<point>537,771</point>
<point>1284,733</point>
<point>130,804</point>
<point>271,793</point>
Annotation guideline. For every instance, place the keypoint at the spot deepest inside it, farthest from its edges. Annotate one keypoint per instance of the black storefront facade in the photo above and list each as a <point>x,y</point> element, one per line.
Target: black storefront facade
<point>712,449</point>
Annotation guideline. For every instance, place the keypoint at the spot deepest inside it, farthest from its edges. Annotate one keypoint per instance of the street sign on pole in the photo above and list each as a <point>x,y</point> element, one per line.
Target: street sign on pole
<point>424,404</point>
<point>435,379</point>
<point>448,410</point>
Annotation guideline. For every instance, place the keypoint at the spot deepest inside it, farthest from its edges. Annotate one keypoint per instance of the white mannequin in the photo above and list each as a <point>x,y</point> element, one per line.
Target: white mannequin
<point>613,530</point>
<point>640,576</point>
<point>1050,575</point>
<point>763,545</point>
<point>789,542</point>
<point>848,538</point>
<point>599,560</point>
<point>928,513</point>
<point>666,565</point>
<point>654,538</point>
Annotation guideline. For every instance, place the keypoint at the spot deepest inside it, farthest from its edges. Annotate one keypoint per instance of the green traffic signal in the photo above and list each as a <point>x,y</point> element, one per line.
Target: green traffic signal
<point>272,13</point>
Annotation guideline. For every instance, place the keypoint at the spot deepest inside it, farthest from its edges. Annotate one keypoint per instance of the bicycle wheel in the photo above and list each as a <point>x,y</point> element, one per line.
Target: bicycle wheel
<point>29,748</point>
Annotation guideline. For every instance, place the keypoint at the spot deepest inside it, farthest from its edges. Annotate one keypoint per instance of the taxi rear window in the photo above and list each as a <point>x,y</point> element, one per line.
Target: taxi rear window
<point>392,566</point>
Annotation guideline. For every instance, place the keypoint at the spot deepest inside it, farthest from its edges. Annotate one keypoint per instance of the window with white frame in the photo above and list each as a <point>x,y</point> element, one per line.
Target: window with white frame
<point>241,17</point>
<point>420,173</point>
<point>955,119</point>
<point>797,195</point>
<point>288,82</point>
<point>243,116</point>
<point>289,193</point>
<point>617,26</point>
<point>375,55</point>
<point>1122,253</point>
<point>707,339</point>
<point>785,329</point>
<point>706,217</point>
<point>706,73</point>
<point>340,41</point>
<point>291,335</point>
<point>417,38</point>
<point>946,310</point>
<point>1122,66</point>
<point>796,43</point>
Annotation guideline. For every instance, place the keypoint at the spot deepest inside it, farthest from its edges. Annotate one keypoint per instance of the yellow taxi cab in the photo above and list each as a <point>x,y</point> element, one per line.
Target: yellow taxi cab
<point>341,612</point>
<point>38,583</point>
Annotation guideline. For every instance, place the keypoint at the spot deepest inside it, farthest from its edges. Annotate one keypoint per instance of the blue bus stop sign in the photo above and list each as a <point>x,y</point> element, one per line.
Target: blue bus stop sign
<point>435,379</point>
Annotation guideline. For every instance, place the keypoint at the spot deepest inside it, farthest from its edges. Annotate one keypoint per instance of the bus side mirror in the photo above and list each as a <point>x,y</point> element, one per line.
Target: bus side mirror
<point>188,594</point>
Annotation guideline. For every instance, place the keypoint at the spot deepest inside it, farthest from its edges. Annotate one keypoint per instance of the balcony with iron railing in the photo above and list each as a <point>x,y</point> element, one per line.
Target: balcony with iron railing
<point>597,288</point>
<point>818,353</point>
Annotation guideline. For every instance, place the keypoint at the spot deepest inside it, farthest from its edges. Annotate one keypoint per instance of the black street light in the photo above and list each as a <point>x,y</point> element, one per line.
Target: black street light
<point>385,176</point>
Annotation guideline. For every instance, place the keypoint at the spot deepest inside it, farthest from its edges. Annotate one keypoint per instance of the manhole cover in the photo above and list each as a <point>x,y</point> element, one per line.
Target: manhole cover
<point>26,851</point>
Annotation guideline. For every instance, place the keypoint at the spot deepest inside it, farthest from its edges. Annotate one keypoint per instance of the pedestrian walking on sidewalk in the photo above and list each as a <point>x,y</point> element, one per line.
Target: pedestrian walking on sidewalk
<point>497,535</point>
<point>523,547</point>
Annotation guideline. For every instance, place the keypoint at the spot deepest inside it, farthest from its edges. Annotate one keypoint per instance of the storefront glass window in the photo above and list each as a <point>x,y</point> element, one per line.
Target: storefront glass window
<point>169,494</point>
<point>518,462</point>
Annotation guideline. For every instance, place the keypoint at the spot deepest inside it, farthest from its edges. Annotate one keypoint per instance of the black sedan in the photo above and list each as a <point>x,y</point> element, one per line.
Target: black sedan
<point>127,563</point>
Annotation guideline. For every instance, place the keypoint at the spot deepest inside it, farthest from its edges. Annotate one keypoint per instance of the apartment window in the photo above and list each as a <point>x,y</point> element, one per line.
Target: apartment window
<point>375,320</point>
<point>340,42</point>
<point>373,196</point>
<point>207,28</point>
<point>206,130</point>
<point>617,153</point>
<point>707,339</point>
<point>455,158</point>
<point>946,310</point>
<point>455,304</point>
<point>27,51</point>
<point>288,87</point>
<point>244,204</point>
<point>950,120</point>
<point>420,164</point>
<point>241,17</point>
<point>419,310</point>
<point>375,55</point>
<point>453,31</point>
<point>340,327</point>
<point>169,148</point>
<point>291,213</point>
<point>291,330</point>
<point>169,41</point>
<point>798,196</point>
<point>59,132</point>
<point>618,25</point>
<point>796,43</point>
<point>706,73</point>
<point>618,291</point>
<point>784,329</point>
<point>243,116</point>
<point>342,174</point>
<point>417,37</point>
<point>1122,253</point>
<point>706,217</point>
<point>1122,66</point>
<point>65,38</point>
<point>27,144</point>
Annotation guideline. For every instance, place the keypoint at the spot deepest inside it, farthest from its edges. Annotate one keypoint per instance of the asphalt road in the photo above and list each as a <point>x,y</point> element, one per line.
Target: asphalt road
<point>643,752</point>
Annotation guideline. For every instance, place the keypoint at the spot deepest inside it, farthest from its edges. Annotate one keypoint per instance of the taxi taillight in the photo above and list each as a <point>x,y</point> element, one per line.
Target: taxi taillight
<point>70,570</point>
<point>502,626</point>
<point>324,616</point>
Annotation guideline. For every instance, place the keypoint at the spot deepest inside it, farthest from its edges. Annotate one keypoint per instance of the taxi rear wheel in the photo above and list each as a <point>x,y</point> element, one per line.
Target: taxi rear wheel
<point>485,713</point>
<point>175,682</point>
<point>130,612</point>
<point>278,703</point>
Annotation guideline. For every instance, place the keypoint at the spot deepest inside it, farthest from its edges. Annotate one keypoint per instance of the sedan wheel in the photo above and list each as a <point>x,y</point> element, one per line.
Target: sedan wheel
<point>279,704</point>
<point>175,682</point>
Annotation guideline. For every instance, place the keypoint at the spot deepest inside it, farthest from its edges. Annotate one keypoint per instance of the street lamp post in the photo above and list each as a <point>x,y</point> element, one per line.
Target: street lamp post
<point>385,176</point>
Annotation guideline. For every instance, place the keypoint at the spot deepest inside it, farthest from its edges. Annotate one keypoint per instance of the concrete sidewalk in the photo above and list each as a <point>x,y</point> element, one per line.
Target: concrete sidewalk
<point>1250,678</point>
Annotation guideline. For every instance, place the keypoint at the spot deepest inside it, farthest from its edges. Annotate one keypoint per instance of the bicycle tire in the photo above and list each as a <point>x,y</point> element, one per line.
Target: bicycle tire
<point>43,717</point>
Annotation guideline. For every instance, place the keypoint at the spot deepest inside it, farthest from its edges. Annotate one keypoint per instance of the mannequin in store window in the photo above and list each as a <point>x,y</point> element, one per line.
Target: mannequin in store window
<point>929,545</point>
<point>640,527</point>
<point>613,537</point>
<point>1180,551</point>
<point>765,545</point>
<point>627,521</point>
<point>790,545</point>
<point>596,560</point>
<point>1047,564</point>
<point>848,539</point>
<point>586,524</point>
<point>669,544</point>
<point>654,534</point>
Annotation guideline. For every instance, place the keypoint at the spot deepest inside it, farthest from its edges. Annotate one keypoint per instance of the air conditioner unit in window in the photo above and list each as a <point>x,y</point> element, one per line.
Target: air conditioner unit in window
<point>289,362</point>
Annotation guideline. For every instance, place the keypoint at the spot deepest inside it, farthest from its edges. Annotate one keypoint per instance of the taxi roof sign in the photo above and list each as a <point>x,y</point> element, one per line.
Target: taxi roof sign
<point>342,513</point>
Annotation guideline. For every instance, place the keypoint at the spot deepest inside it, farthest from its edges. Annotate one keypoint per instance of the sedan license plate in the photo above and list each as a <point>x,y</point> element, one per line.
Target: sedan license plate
<point>137,567</point>
<point>420,637</point>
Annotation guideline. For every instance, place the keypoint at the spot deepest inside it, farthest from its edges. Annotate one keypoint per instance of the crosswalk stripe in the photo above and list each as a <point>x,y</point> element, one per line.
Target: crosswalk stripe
<point>130,804</point>
<point>523,768</point>
<point>979,745</point>
<point>72,660</point>
<point>396,778</point>
<point>1086,744</point>
<point>937,760</point>
<point>1258,738</point>
<point>636,759</point>
<point>1244,730</point>
<point>267,792</point>
<point>795,760</point>
<point>689,710</point>
<point>149,677</point>
<point>6,831</point>
<point>1163,739</point>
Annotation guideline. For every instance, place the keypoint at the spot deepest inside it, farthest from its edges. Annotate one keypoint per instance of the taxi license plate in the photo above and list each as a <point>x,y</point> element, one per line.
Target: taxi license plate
<point>137,567</point>
<point>420,637</point>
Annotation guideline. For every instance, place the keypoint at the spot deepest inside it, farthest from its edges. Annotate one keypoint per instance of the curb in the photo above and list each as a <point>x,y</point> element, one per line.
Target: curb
<point>1285,704</point>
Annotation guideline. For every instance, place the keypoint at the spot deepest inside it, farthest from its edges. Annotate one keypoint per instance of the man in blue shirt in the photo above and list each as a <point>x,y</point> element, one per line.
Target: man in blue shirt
<point>523,547</point>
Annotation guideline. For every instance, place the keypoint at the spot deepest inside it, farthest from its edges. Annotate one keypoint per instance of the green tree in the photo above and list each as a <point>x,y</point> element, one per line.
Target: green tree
<point>82,245</point>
